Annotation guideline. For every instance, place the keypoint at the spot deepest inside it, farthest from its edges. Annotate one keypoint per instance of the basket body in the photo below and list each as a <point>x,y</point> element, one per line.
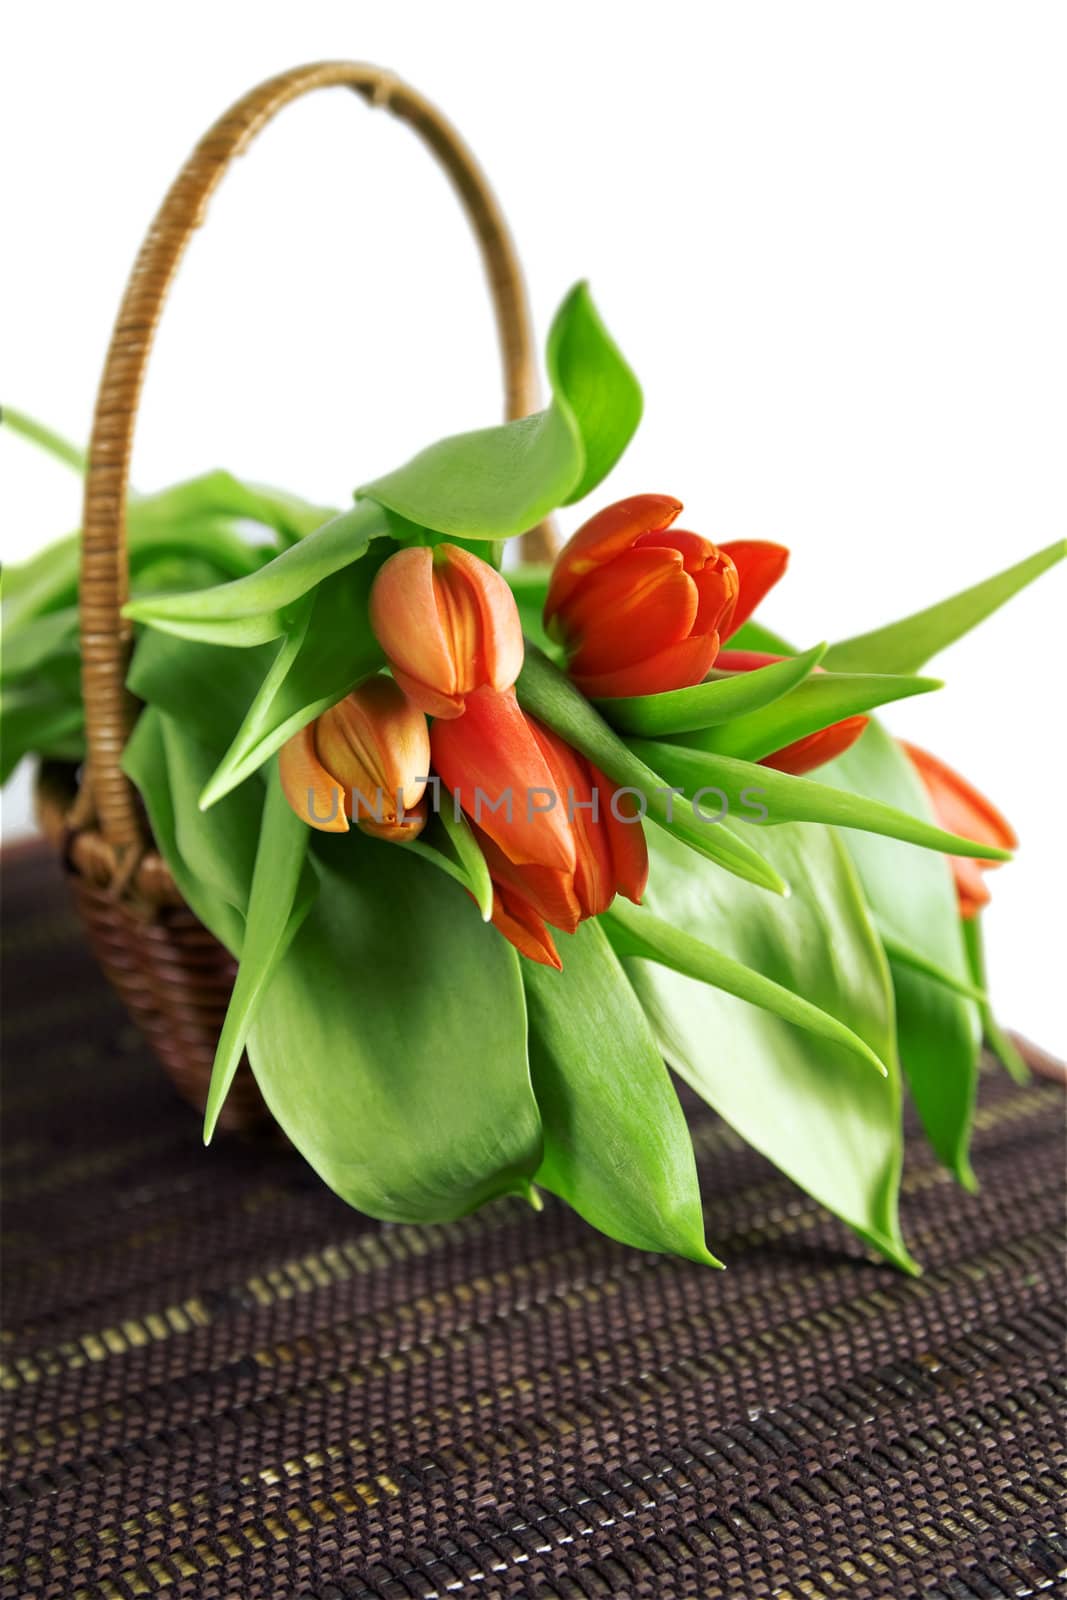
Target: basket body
<point>172,974</point>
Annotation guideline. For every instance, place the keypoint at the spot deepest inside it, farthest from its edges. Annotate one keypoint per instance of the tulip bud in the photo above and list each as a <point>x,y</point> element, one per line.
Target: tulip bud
<point>642,608</point>
<point>960,808</point>
<point>368,758</point>
<point>449,625</point>
<point>639,608</point>
<point>558,843</point>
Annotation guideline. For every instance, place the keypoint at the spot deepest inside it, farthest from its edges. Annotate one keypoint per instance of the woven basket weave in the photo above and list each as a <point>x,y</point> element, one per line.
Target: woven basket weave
<point>173,976</point>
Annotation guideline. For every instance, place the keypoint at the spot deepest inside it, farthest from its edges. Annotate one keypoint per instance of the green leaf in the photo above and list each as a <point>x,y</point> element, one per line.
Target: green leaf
<point>636,932</point>
<point>219,494</point>
<point>545,692</point>
<point>48,581</point>
<point>498,482</point>
<point>44,438</point>
<point>448,844</point>
<point>617,1147</point>
<point>913,898</point>
<point>722,697</point>
<point>814,1108</point>
<point>907,645</point>
<point>281,894</point>
<point>28,649</point>
<point>207,688</point>
<point>591,377</point>
<point>391,1042</point>
<point>789,799</point>
<point>902,955</point>
<point>220,850</point>
<point>41,720</point>
<point>814,704</point>
<point>999,1042</point>
<point>329,648</point>
<point>252,610</point>
<point>145,762</point>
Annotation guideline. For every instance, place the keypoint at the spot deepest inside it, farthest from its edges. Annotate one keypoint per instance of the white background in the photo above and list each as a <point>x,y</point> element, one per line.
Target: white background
<point>831,238</point>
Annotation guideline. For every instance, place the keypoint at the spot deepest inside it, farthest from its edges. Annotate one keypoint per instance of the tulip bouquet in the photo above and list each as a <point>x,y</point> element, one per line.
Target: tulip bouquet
<point>492,844</point>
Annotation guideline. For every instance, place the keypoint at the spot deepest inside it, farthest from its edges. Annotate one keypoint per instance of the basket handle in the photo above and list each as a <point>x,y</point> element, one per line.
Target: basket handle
<point>105,636</point>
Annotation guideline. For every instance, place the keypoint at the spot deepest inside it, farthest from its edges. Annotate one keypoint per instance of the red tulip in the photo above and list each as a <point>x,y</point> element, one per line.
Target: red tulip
<point>959,808</point>
<point>368,758</point>
<point>642,607</point>
<point>814,749</point>
<point>556,850</point>
<point>449,625</point>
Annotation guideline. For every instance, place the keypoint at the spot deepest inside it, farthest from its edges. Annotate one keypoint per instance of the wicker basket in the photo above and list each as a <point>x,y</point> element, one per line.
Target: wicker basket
<point>173,976</point>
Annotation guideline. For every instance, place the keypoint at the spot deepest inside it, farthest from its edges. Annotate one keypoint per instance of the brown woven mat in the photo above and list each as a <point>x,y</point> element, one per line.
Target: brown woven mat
<point>221,1383</point>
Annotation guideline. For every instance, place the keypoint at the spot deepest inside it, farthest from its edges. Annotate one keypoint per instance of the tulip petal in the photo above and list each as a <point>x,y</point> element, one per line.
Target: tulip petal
<point>636,606</point>
<point>594,878</point>
<point>711,569</point>
<point>746,660</point>
<point>815,749</point>
<point>629,848</point>
<point>759,565</point>
<point>548,891</point>
<point>315,796</point>
<point>406,620</point>
<point>491,750</point>
<point>431,701</point>
<point>523,928</point>
<point>608,534</point>
<point>680,666</point>
<point>957,804</point>
<point>377,745</point>
<point>499,649</point>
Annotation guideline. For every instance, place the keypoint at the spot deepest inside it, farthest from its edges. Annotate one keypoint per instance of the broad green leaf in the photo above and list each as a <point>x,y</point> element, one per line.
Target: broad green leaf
<point>939,1037</point>
<point>634,931</point>
<point>281,894</point>
<point>252,609</point>
<point>814,1108</point>
<point>219,494</point>
<point>328,649</point>
<point>28,648</point>
<point>736,784</point>
<point>498,482</point>
<point>617,1147</point>
<point>999,1042</point>
<point>207,688</point>
<point>391,1042</point>
<point>907,645</point>
<point>913,898</point>
<point>589,375</point>
<point>218,850</point>
<point>48,581</point>
<point>723,696</point>
<point>545,692</point>
<point>39,720</point>
<point>145,762</point>
<point>816,703</point>
<point>448,844</point>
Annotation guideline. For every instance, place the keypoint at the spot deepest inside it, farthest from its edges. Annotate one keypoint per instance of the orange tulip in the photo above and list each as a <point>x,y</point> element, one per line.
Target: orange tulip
<point>814,749</point>
<point>449,625</point>
<point>959,808</point>
<point>368,758</point>
<point>642,607</point>
<point>556,848</point>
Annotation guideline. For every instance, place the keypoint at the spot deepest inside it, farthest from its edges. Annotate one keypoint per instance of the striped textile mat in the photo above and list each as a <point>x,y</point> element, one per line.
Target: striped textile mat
<point>220,1383</point>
